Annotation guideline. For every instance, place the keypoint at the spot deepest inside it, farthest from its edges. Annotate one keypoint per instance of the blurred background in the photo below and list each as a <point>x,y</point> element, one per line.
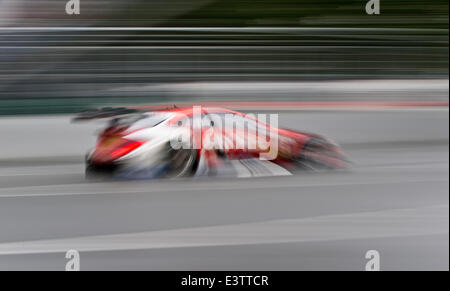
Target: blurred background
<point>125,52</point>
<point>376,84</point>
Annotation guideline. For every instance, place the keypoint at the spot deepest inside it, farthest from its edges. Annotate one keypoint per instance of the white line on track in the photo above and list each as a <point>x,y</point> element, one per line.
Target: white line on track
<point>379,224</point>
<point>130,189</point>
<point>246,168</point>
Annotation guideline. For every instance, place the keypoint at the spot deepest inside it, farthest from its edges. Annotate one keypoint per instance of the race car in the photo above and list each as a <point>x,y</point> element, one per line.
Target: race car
<point>185,142</point>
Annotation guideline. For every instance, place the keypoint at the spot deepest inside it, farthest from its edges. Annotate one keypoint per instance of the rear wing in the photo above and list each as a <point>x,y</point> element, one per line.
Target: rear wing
<point>105,112</point>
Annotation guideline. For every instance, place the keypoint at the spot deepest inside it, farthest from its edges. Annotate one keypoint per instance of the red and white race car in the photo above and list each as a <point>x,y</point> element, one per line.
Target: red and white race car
<point>183,142</point>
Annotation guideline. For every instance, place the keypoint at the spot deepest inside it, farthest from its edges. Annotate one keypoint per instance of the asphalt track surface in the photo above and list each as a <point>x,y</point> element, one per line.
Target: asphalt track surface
<point>393,199</point>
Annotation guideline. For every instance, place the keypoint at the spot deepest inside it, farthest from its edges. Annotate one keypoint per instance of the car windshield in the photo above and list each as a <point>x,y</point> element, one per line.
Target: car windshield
<point>149,120</point>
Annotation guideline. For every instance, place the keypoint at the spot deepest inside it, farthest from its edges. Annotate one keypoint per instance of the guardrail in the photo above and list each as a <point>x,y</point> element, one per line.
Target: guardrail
<point>84,64</point>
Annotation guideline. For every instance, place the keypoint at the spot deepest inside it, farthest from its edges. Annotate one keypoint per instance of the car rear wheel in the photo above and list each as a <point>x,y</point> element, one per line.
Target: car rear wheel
<point>97,172</point>
<point>183,163</point>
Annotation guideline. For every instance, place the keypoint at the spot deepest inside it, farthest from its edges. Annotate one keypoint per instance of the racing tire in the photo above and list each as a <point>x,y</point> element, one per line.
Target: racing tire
<point>320,155</point>
<point>95,172</point>
<point>183,163</point>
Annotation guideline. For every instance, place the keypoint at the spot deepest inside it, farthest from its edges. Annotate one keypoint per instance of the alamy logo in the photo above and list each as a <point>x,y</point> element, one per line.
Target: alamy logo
<point>73,263</point>
<point>73,7</point>
<point>227,131</point>
<point>373,7</point>
<point>374,260</point>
